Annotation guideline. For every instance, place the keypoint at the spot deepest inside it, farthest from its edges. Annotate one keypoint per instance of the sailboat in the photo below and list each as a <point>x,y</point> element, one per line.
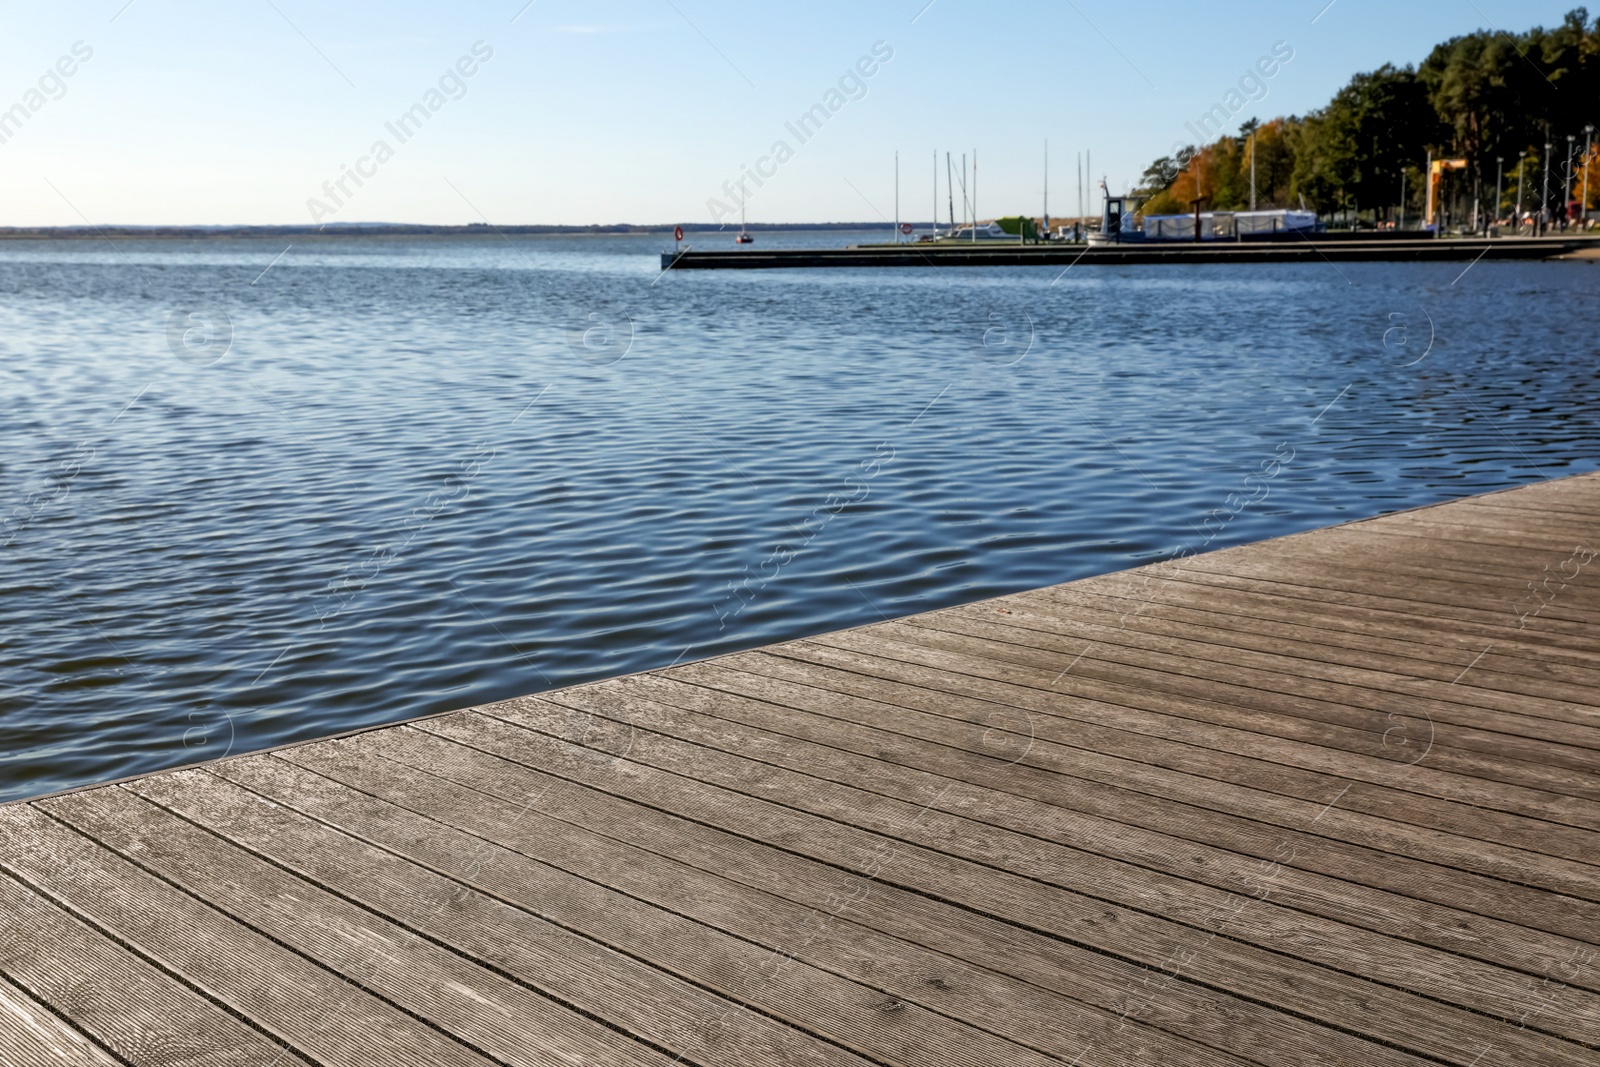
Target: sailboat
<point>743,238</point>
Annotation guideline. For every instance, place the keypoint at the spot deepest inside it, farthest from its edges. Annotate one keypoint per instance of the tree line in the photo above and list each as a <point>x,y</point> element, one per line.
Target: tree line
<point>1490,98</point>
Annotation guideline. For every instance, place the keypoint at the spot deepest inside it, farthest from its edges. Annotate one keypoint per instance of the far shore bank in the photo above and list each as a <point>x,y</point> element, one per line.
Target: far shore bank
<point>398,229</point>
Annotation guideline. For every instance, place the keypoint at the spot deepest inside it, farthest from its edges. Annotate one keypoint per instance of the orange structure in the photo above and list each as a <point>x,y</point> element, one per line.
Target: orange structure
<point>1436,171</point>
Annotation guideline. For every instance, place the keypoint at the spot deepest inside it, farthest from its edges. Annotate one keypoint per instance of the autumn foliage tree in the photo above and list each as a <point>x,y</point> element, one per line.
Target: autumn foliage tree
<point>1476,97</point>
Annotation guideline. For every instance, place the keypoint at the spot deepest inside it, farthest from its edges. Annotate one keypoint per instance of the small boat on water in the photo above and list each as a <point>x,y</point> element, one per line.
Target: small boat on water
<point>989,231</point>
<point>743,238</point>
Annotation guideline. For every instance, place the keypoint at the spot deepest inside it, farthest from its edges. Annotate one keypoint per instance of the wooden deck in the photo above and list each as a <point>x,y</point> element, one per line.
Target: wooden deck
<point>1328,799</point>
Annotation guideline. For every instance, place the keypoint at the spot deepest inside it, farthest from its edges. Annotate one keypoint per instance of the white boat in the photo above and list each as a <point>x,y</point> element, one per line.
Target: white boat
<point>990,232</point>
<point>743,238</point>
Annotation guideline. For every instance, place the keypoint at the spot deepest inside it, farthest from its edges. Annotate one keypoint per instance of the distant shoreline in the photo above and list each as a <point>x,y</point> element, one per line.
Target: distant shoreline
<point>385,229</point>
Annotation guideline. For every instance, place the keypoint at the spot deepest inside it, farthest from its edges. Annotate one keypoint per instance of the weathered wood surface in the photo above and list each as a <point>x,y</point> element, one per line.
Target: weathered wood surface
<point>1328,799</point>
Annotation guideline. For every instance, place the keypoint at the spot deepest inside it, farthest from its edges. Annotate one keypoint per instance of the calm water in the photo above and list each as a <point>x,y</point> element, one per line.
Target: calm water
<point>386,478</point>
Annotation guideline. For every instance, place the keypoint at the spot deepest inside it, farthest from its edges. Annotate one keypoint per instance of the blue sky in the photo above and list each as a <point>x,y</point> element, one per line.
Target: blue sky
<point>640,110</point>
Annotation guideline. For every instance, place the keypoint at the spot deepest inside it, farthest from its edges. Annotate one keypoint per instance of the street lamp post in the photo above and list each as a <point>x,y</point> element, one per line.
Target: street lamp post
<point>1252,170</point>
<point>1522,167</point>
<point>1544,198</point>
<point>1566,188</point>
<point>1499,172</point>
<point>1588,150</point>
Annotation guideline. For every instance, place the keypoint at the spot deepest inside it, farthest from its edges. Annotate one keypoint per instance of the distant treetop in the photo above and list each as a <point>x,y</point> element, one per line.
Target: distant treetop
<point>1478,97</point>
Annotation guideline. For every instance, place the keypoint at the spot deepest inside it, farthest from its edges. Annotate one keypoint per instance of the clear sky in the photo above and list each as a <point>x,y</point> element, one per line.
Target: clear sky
<point>190,112</point>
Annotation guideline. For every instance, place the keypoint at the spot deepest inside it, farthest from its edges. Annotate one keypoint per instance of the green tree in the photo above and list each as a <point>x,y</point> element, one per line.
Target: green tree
<point>1314,174</point>
<point>1229,189</point>
<point>1496,95</point>
<point>1274,162</point>
<point>1477,96</point>
<point>1159,176</point>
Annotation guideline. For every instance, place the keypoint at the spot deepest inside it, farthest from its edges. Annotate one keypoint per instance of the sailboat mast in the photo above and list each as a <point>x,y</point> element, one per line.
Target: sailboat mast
<point>950,191</point>
<point>966,205</point>
<point>897,196</point>
<point>1047,185</point>
<point>974,196</point>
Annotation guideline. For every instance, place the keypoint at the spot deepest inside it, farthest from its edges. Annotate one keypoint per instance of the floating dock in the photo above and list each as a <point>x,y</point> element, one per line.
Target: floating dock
<point>1327,799</point>
<point>1317,249</point>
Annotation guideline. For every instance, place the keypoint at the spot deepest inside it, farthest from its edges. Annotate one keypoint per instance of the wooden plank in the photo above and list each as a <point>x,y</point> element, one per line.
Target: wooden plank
<point>1193,842</point>
<point>1049,617</point>
<point>1363,594</point>
<point>1152,586</point>
<point>1561,915</point>
<point>1425,619</point>
<point>1365,566</point>
<point>1478,511</point>
<point>1094,978</point>
<point>1417,779</point>
<point>1126,751</point>
<point>1532,535</point>
<point>400,801</point>
<point>1079,668</point>
<point>1496,569</point>
<point>1260,612</point>
<point>1413,535</point>
<point>935,863</point>
<point>1272,697</point>
<point>541,926</point>
<point>32,1037</point>
<point>1171,1000</point>
<point>1407,561</point>
<point>1298,568</point>
<point>1063,636</point>
<point>1533,497</point>
<point>1095,693</point>
<point>325,1016</point>
<point>119,1000</point>
<point>1092,650</point>
<point>1296,670</point>
<point>1242,625</point>
<point>475,1005</point>
<point>1366,736</point>
<point>1131,858</point>
<point>1470,550</point>
<point>1514,864</point>
<point>1578,512</point>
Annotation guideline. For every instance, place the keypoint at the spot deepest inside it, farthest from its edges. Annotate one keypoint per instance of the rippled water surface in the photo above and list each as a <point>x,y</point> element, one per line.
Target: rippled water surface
<point>377,478</point>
